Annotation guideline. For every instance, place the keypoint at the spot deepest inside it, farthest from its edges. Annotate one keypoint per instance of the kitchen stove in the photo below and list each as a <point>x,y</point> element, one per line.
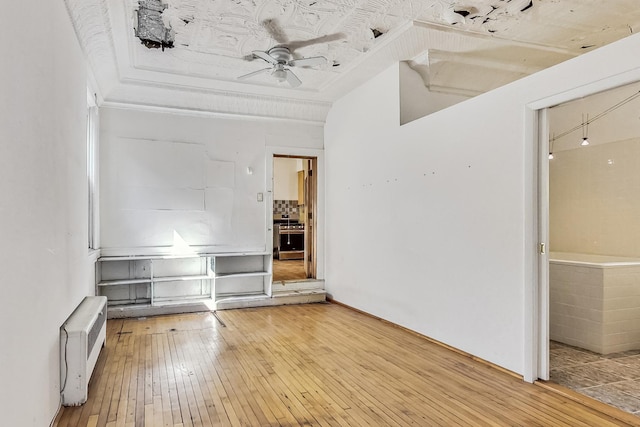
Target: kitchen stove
<point>293,227</point>
<point>289,240</point>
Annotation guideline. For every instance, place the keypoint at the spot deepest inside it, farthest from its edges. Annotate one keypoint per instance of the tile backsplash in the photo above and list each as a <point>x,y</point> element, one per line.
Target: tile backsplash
<point>285,207</point>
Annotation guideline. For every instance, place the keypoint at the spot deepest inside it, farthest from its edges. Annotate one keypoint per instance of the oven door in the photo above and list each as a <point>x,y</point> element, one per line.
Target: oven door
<point>291,244</point>
<point>291,240</point>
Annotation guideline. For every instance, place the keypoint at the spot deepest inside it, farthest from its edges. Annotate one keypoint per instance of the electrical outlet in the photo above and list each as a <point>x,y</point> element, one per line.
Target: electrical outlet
<point>260,197</point>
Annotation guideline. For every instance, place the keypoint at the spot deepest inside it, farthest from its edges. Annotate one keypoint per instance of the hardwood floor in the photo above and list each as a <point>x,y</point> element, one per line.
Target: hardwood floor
<point>314,365</point>
<point>292,269</point>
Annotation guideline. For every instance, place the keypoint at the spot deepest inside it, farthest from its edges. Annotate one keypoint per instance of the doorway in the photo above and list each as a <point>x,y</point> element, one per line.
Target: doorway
<point>589,221</point>
<point>294,209</point>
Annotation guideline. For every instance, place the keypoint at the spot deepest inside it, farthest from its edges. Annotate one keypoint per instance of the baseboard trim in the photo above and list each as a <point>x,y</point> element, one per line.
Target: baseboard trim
<point>434,341</point>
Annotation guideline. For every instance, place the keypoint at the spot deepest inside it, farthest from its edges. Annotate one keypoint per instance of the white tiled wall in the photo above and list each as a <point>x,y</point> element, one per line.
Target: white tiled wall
<point>596,308</point>
<point>594,206</point>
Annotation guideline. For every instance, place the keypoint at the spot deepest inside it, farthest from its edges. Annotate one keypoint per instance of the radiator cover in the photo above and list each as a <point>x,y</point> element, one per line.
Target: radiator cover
<point>82,336</point>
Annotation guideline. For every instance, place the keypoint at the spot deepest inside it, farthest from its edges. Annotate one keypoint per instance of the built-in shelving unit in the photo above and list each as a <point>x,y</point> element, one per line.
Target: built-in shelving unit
<point>240,275</point>
<point>144,285</point>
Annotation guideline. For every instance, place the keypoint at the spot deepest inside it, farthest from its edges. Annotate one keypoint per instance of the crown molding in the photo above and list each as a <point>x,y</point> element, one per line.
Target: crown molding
<point>90,21</point>
<point>204,113</point>
<point>224,103</point>
<point>92,26</point>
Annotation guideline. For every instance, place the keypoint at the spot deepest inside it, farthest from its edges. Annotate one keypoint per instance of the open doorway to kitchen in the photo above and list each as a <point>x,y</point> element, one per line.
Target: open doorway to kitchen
<point>294,218</point>
<point>592,214</point>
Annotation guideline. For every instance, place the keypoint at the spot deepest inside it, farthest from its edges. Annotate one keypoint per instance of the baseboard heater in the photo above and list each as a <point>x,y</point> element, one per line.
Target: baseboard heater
<point>82,336</point>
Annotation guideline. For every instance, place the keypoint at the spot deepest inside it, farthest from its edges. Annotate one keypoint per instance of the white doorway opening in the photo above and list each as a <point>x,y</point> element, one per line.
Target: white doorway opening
<point>295,218</point>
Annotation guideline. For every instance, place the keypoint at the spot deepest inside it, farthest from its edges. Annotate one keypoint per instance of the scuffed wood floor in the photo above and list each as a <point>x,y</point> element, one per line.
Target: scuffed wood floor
<point>314,365</point>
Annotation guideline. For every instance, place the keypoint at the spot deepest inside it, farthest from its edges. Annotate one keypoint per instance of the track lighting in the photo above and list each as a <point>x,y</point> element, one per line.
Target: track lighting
<point>585,131</point>
<point>585,123</point>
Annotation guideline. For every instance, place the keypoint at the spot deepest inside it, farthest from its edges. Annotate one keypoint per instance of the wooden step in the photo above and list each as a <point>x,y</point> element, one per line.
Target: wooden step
<point>277,298</point>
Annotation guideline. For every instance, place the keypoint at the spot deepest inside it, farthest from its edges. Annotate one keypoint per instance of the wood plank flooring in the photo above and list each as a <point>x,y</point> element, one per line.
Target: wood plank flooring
<point>292,269</point>
<point>312,365</point>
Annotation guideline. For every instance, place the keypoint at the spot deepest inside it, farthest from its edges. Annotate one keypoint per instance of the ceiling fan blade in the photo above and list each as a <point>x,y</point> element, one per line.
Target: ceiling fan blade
<point>264,56</point>
<point>275,30</point>
<point>254,73</point>
<point>308,62</point>
<point>297,44</point>
<point>293,80</point>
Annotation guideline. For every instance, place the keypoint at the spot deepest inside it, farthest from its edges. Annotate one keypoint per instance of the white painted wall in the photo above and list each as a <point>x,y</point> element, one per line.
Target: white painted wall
<point>167,175</point>
<point>444,242</point>
<point>43,205</point>
<point>285,178</point>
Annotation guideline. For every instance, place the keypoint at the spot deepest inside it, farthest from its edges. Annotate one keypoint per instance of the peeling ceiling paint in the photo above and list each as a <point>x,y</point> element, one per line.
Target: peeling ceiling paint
<point>465,47</point>
<point>150,27</point>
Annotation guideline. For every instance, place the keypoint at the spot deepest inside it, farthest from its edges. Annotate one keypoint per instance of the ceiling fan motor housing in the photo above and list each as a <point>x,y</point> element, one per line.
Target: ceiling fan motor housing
<point>280,54</point>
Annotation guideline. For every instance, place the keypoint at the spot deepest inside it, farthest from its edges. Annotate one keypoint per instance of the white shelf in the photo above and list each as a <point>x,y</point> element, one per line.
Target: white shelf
<point>147,257</point>
<point>182,278</point>
<point>242,275</point>
<point>247,274</point>
<point>123,282</point>
<point>222,297</point>
<point>188,280</point>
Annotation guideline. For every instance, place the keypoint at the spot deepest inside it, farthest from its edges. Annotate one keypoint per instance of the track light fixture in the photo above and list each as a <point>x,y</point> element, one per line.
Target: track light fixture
<point>585,131</point>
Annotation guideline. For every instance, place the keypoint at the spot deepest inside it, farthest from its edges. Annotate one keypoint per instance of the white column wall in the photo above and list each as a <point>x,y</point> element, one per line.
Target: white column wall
<point>442,243</point>
<point>44,264</point>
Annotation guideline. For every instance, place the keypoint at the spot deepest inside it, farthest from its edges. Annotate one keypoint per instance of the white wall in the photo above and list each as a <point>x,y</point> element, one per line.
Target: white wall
<point>166,175</point>
<point>443,243</point>
<point>43,208</point>
<point>285,178</point>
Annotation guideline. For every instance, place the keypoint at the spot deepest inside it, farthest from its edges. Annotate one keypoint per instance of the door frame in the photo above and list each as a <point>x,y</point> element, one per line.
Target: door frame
<point>536,180</point>
<point>274,151</point>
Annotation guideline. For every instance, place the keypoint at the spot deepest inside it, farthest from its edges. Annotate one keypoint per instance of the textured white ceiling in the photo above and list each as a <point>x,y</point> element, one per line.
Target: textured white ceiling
<point>456,46</point>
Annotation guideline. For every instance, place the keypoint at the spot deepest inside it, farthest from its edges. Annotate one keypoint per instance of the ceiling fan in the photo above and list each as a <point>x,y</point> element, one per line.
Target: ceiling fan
<point>281,58</point>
